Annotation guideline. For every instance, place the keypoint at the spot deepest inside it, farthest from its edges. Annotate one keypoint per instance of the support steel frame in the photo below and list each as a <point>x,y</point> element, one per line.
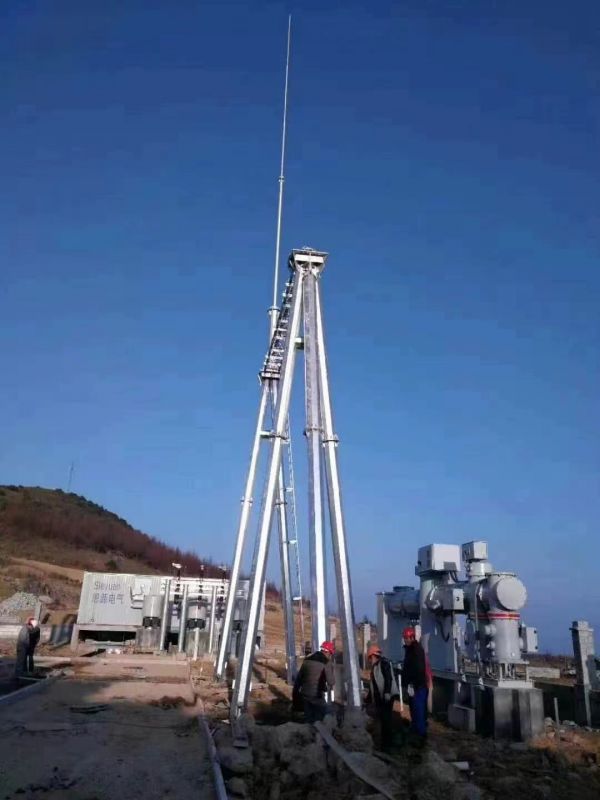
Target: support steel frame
<point>313,432</point>
<point>258,574</point>
<point>304,305</point>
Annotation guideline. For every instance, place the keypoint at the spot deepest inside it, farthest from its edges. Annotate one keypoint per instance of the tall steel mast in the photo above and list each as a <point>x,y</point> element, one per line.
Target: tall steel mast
<point>269,400</point>
<point>287,595</point>
<point>301,313</point>
<point>296,324</point>
<point>274,307</point>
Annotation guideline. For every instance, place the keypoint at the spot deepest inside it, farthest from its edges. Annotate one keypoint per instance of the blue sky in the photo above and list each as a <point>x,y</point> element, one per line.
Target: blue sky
<point>445,154</point>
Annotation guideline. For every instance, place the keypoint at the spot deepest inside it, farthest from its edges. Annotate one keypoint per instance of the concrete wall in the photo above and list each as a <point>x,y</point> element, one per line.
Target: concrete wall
<point>9,631</point>
<point>595,704</point>
<point>567,706</point>
<point>551,673</point>
<point>49,634</point>
<point>442,696</point>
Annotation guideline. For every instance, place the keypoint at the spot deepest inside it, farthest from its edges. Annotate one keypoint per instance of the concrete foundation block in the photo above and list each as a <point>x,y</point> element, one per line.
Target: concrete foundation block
<point>531,714</point>
<point>506,713</point>
<point>461,717</point>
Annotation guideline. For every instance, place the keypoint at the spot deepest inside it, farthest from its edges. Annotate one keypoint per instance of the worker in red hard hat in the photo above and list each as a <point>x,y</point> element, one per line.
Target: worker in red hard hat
<point>416,678</point>
<point>383,691</point>
<point>315,678</point>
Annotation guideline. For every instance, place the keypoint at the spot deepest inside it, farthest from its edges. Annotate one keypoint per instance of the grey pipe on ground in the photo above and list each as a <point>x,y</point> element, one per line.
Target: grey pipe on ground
<point>165,622</point>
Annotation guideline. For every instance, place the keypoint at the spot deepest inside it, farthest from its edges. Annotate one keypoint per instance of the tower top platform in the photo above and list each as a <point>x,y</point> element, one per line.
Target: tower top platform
<point>307,258</point>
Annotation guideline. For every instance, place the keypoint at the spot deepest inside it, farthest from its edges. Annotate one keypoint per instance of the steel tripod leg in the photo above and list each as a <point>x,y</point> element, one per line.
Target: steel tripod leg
<point>318,592</point>
<point>286,577</point>
<point>258,574</point>
<point>241,537</point>
<point>338,533</point>
<point>286,583</point>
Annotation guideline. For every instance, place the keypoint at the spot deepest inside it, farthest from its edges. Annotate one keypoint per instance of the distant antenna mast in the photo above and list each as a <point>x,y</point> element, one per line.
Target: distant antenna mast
<point>71,471</point>
<point>273,311</point>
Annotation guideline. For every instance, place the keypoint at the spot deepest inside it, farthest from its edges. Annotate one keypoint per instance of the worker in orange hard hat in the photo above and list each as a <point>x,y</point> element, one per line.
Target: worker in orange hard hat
<point>315,678</point>
<point>416,677</point>
<point>383,692</point>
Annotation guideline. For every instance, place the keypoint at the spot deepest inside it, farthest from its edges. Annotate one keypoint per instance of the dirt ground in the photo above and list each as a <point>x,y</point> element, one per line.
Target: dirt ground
<point>563,765</point>
<point>145,741</point>
<point>140,742</point>
<point>141,738</point>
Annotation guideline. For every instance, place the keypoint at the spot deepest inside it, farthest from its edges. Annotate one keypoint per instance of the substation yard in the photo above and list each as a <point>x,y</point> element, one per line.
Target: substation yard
<point>127,726</point>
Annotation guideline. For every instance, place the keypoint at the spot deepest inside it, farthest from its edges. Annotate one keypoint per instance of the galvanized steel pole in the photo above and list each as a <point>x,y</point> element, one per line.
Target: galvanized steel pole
<point>183,618</point>
<point>241,536</point>
<point>196,643</point>
<point>165,622</point>
<point>318,590</point>
<point>282,169</point>
<point>338,529</point>
<point>286,577</point>
<point>213,617</point>
<point>258,575</point>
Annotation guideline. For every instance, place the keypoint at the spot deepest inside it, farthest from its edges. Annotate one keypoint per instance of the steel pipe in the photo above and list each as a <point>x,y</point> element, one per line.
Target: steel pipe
<point>284,557</point>
<point>258,573</point>
<point>212,622</point>
<point>165,622</point>
<point>336,515</point>
<point>318,588</point>
<point>241,537</point>
<point>183,618</point>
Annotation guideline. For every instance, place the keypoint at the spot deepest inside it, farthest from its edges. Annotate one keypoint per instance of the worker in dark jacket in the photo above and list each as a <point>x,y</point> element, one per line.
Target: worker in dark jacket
<point>28,637</point>
<point>314,679</point>
<point>416,679</point>
<point>34,638</point>
<point>382,693</point>
<point>21,655</point>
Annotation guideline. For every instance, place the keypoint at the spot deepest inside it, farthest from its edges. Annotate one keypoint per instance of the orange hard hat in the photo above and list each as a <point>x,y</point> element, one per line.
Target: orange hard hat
<point>408,633</point>
<point>374,650</point>
<point>329,647</point>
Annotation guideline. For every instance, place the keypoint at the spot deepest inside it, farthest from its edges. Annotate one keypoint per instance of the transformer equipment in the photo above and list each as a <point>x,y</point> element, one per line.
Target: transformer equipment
<point>157,611</point>
<point>480,671</point>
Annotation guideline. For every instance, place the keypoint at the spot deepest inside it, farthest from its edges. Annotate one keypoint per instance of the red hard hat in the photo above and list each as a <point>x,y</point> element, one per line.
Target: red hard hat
<point>374,650</point>
<point>408,633</point>
<point>329,647</point>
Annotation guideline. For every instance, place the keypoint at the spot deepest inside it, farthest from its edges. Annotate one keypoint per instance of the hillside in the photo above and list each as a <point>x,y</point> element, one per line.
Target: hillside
<point>48,536</point>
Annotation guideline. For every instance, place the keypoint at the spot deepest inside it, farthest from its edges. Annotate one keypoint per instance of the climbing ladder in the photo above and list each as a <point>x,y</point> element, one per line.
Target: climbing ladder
<point>271,369</point>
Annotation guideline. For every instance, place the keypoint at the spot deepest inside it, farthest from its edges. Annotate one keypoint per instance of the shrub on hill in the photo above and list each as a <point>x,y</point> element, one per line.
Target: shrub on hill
<point>78,522</point>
